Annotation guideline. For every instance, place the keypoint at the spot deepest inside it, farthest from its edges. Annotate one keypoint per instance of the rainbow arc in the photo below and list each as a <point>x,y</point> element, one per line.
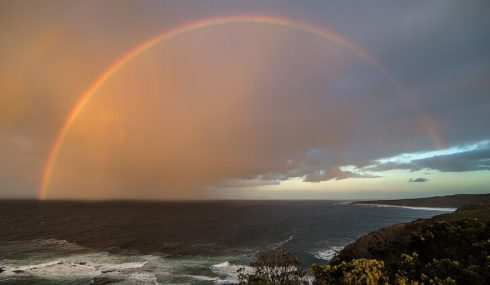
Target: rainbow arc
<point>85,97</point>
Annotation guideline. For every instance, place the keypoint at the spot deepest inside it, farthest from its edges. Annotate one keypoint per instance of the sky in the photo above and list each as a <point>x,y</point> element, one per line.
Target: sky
<point>244,99</point>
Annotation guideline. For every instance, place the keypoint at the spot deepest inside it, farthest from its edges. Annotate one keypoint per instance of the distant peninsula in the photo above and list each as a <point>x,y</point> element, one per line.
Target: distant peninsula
<point>449,201</point>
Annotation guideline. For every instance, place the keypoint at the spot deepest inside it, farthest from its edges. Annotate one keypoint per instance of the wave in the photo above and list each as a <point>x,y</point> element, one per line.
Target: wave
<point>229,272</point>
<point>282,243</point>
<point>142,278</point>
<point>100,266</point>
<point>53,269</point>
<point>81,266</point>
<point>329,253</point>
<point>409,207</point>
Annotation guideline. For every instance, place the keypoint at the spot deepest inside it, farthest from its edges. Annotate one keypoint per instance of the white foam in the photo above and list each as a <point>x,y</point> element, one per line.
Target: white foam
<point>39,265</point>
<point>75,266</point>
<point>221,265</point>
<point>122,266</point>
<point>329,253</point>
<point>410,207</point>
<point>53,269</point>
<point>229,272</point>
<point>281,243</point>
<point>202,277</point>
<point>142,278</point>
<point>134,269</point>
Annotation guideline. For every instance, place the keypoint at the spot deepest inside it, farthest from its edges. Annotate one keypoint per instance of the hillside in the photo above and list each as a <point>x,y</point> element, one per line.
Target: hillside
<point>446,248</point>
<point>449,201</point>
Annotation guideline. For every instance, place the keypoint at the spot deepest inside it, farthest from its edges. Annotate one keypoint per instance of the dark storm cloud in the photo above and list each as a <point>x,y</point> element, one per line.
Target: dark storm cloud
<point>444,60</point>
<point>334,173</point>
<point>420,179</point>
<point>466,161</point>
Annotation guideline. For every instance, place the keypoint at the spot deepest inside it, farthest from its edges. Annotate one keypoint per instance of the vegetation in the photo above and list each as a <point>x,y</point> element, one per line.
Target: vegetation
<point>438,253</point>
<point>274,267</point>
<point>358,272</point>
<point>444,252</point>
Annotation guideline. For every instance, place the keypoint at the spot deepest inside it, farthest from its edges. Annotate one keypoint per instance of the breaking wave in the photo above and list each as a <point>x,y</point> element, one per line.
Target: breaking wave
<point>229,272</point>
<point>329,253</point>
<point>282,243</point>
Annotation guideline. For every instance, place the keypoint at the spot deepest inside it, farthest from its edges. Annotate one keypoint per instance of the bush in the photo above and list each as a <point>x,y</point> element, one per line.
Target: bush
<point>274,267</point>
<point>356,272</point>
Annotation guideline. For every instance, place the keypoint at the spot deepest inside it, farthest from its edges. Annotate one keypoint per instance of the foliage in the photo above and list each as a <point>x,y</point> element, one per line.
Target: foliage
<point>465,240</point>
<point>438,253</point>
<point>274,267</point>
<point>452,252</point>
<point>356,272</point>
<point>442,253</point>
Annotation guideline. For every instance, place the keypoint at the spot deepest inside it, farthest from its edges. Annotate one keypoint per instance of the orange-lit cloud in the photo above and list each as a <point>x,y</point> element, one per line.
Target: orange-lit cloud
<point>180,118</point>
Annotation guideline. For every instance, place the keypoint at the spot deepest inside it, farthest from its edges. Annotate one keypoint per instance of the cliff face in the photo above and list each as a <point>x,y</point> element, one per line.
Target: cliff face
<point>389,243</point>
<point>384,244</point>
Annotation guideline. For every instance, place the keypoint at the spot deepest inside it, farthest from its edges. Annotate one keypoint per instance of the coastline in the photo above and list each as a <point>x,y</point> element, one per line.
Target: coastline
<point>441,209</point>
<point>443,203</point>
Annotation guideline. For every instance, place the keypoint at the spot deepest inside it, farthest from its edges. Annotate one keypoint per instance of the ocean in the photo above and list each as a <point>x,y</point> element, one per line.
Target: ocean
<point>174,242</point>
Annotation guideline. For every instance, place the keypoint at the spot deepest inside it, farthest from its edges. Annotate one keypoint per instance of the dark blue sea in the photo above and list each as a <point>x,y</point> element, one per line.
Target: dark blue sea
<point>173,242</point>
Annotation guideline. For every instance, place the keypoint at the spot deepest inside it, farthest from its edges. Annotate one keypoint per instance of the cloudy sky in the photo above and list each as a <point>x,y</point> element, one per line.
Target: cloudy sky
<point>338,100</point>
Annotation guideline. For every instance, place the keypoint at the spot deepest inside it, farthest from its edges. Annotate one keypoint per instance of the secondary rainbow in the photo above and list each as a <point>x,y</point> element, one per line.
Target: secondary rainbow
<point>174,33</point>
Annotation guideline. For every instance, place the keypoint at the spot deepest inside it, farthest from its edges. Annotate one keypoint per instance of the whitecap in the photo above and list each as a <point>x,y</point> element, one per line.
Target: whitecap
<point>329,253</point>
<point>142,278</point>
<point>202,277</point>
<point>121,266</point>
<point>229,272</point>
<point>57,268</point>
<point>75,266</point>
<point>282,243</point>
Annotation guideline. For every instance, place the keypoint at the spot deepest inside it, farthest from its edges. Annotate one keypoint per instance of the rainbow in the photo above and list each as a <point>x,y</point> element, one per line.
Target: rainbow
<point>174,33</point>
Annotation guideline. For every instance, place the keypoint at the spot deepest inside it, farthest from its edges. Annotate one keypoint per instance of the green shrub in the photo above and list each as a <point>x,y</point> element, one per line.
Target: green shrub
<point>355,272</point>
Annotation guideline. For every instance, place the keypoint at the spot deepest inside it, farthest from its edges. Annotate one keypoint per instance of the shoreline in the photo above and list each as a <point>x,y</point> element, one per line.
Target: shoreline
<point>440,209</point>
<point>442,203</point>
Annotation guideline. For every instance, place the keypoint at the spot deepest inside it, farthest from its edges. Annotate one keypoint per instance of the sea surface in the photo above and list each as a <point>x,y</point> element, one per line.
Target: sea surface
<point>174,242</point>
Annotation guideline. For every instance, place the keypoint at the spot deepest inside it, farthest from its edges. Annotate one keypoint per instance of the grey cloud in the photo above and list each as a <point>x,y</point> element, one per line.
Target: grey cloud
<point>390,166</point>
<point>466,161</point>
<point>334,173</point>
<point>420,179</point>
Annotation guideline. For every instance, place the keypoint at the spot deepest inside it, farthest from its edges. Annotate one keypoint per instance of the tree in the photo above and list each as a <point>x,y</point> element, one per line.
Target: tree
<point>274,267</point>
